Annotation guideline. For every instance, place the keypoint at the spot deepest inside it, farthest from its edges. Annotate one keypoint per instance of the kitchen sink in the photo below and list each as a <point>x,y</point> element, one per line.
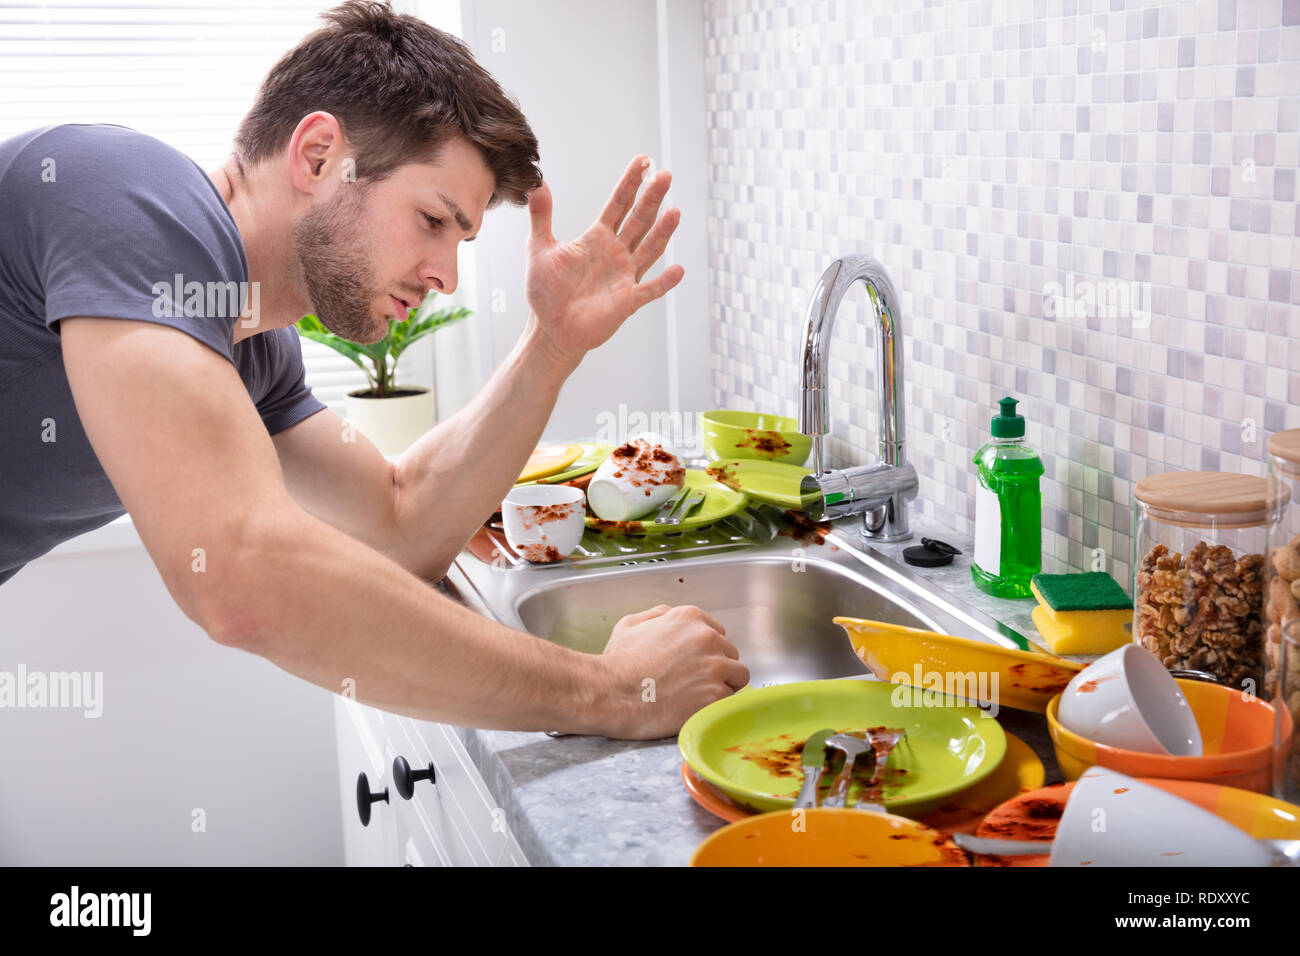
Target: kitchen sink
<point>779,618</point>
<point>776,599</point>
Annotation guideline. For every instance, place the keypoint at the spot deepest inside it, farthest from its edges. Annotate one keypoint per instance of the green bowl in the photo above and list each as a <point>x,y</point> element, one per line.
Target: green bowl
<point>730,435</point>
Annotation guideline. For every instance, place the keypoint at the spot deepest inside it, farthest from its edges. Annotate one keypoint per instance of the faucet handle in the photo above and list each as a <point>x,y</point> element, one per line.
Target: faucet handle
<point>879,492</point>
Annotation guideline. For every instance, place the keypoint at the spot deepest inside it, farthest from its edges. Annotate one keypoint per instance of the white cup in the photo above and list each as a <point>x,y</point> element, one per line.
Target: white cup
<point>544,523</point>
<point>1127,699</point>
<point>1113,820</point>
<point>637,477</point>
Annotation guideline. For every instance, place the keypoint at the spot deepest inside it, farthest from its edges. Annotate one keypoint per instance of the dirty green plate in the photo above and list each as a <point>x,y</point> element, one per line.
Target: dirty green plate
<point>773,482</point>
<point>749,745</point>
<point>719,502</point>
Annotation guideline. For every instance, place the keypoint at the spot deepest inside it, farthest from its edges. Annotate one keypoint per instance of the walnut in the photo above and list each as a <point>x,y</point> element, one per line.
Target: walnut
<point>1201,611</point>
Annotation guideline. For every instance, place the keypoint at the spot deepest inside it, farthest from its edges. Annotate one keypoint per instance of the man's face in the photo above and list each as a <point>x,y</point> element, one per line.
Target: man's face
<point>371,251</point>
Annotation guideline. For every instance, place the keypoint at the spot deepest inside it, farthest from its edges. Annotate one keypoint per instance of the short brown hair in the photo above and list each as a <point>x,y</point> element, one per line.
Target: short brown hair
<point>400,89</point>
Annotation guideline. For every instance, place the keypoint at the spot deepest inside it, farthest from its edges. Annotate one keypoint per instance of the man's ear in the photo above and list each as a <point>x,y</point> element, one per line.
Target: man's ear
<point>317,151</point>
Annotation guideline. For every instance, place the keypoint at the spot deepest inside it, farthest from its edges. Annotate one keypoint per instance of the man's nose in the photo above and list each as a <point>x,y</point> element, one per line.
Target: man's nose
<point>440,276</point>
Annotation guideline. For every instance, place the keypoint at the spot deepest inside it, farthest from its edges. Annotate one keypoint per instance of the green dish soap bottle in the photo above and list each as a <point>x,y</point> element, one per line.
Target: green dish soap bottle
<point>1008,509</point>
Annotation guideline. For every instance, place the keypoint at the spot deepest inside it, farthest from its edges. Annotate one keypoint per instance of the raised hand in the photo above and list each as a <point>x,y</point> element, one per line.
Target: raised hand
<point>582,291</point>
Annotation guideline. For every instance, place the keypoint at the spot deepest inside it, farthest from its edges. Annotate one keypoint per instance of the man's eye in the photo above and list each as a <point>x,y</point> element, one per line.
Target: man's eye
<point>433,221</point>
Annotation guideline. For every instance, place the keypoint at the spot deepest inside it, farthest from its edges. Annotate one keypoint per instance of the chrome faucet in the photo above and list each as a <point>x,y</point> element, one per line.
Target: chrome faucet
<point>879,492</point>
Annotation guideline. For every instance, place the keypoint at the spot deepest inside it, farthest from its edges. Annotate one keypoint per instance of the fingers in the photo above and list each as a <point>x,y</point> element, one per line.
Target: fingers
<point>736,676</point>
<point>540,206</point>
<point>624,194</point>
<point>652,246</point>
<point>646,292</point>
<point>647,208</point>
<point>632,620</point>
<point>691,610</point>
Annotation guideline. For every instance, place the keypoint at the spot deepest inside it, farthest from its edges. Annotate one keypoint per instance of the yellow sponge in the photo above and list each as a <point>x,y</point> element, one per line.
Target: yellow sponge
<point>1093,631</point>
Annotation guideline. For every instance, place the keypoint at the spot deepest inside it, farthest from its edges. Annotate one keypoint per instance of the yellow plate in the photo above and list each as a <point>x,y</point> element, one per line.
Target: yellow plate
<point>749,745</point>
<point>548,459</point>
<point>975,670</point>
<point>1019,772</point>
<point>593,455</point>
<point>825,836</point>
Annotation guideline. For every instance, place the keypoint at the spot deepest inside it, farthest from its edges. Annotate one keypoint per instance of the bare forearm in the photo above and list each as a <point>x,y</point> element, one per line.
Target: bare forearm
<point>453,478</point>
<point>328,609</point>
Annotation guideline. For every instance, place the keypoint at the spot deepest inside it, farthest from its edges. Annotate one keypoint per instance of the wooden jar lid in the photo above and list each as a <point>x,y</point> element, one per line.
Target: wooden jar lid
<point>1194,495</point>
<point>1286,446</point>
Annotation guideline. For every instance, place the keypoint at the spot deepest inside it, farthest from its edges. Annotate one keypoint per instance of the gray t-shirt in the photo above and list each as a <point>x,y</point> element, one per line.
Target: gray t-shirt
<point>104,221</point>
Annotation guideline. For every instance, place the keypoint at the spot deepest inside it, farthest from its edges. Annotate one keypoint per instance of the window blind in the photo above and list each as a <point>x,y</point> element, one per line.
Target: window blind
<point>185,71</point>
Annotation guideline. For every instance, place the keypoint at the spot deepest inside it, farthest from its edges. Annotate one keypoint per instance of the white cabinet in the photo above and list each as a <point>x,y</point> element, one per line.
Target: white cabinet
<point>453,821</point>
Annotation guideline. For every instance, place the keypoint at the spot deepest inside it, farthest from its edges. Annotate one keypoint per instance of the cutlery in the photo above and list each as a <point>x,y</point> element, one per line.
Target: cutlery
<point>852,747</point>
<point>882,743</point>
<point>687,507</point>
<point>814,760</point>
<point>669,506</point>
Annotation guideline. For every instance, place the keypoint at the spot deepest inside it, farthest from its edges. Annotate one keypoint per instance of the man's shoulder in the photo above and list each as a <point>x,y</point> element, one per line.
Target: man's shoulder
<point>99,158</point>
<point>98,141</point>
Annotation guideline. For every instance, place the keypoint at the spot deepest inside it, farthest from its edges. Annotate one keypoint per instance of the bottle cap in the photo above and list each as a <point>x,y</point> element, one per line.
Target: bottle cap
<point>932,553</point>
<point>1008,424</point>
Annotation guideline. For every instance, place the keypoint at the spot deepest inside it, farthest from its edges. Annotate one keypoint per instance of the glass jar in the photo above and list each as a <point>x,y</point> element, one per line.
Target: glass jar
<point>1281,611</point>
<point>1282,572</point>
<point>1198,573</point>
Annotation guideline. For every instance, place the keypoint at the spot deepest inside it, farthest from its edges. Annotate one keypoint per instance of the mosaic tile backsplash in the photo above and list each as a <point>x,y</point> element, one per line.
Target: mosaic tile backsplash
<point>1087,204</point>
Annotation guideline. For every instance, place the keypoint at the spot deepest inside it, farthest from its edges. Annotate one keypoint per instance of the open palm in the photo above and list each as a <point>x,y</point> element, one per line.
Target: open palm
<point>582,291</point>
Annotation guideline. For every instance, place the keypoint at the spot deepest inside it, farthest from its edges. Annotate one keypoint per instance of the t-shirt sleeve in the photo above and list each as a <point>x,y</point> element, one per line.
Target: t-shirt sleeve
<point>289,399</point>
<point>124,225</point>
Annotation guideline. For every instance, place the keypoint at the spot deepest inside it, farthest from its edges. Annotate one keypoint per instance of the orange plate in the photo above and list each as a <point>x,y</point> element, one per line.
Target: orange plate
<point>828,836</point>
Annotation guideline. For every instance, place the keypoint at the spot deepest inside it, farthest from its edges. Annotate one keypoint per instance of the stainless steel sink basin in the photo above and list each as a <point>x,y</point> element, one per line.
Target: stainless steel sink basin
<point>778,618</point>
<point>776,599</point>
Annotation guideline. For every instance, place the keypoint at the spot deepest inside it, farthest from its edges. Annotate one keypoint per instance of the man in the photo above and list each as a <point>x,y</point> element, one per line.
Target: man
<point>374,148</point>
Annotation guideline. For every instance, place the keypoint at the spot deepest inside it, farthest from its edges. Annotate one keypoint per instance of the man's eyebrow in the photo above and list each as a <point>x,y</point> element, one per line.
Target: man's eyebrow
<point>461,219</point>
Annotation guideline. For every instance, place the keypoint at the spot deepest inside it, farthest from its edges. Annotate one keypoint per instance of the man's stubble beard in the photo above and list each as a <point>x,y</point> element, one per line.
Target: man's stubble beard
<point>333,266</point>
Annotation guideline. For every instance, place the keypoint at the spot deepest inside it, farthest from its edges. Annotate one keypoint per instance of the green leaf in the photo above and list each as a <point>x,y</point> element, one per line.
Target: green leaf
<point>379,359</point>
<point>413,330</point>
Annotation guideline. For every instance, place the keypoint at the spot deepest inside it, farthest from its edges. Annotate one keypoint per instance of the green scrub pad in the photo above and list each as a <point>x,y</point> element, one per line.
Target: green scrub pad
<point>1091,591</point>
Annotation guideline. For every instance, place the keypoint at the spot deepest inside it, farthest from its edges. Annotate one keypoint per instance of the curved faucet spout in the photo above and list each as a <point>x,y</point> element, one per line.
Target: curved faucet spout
<point>819,323</point>
<point>880,492</point>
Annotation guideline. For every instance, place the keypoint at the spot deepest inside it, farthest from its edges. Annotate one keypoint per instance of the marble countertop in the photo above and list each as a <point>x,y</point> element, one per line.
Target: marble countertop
<point>591,801</point>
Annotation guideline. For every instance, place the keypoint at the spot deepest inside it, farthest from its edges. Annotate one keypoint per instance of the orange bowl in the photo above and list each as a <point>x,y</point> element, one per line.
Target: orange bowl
<point>828,836</point>
<point>1236,730</point>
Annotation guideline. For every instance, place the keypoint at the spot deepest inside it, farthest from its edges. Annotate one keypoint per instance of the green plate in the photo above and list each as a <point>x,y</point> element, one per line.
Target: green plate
<point>749,745</point>
<point>592,456</point>
<point>772,482</point>
<point>719,502</point>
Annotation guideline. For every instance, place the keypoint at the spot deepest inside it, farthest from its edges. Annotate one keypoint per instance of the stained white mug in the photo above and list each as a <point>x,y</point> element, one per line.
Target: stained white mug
<point>544,523</point>
<point>1127,699</point>
<point>1113,820</point>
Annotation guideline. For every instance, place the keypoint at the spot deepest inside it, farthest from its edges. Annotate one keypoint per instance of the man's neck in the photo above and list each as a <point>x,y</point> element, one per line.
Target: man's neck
<point>263,220</point>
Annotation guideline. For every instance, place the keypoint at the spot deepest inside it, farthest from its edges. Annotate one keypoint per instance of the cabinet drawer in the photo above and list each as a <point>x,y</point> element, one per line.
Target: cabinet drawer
<point>463,809</point>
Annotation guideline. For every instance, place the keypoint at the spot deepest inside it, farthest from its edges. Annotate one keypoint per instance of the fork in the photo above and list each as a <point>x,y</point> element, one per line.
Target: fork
<point>890,739</point>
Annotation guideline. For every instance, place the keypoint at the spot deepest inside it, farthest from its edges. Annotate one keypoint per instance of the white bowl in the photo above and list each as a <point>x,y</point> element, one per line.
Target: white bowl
<point>544,523</point>
<point>1127,699</point>
<point>1113,820</point>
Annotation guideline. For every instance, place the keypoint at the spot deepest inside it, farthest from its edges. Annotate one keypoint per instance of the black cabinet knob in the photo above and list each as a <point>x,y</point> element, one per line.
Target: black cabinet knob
<point>365,798</point>
<point>405,779</point>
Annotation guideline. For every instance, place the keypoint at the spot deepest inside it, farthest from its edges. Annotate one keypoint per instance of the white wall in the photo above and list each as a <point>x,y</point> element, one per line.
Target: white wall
<point>187,724</point>
<point>587,75</point>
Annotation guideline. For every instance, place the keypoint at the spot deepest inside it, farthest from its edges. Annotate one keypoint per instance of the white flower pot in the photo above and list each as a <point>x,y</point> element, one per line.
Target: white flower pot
<point>392,423</point>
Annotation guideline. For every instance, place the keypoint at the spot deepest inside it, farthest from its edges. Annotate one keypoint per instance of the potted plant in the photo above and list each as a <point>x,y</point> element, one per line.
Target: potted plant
<point>390,415</point>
